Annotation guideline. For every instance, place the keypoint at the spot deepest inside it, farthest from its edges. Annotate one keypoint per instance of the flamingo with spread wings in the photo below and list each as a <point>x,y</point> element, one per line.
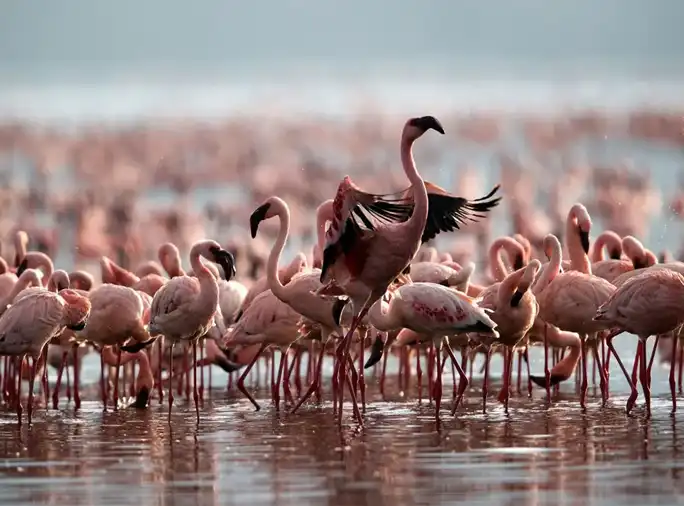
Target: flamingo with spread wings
<point>362,258</point>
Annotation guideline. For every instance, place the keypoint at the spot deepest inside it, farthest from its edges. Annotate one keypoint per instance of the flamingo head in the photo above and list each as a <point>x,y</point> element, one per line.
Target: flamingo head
<point>415,127</point>
<point>23,265</point>
<point>225,259</point>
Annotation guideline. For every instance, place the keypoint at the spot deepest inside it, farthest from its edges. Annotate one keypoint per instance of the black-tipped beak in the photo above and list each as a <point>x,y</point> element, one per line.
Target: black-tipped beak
<point>22,267</point>
<point>142,398</point>
<point>257,217</point>
<point>540,381</point>
<point>426,123</point>
<point>638,264</point>
<point>227,262</point>
<point>584,239</point>
<point>617,254</point>
<point>79,326</point>
<point>137,346</point>
<point>518,263</point>
<point>517,297</point>
<point>377,348</point>
<point>338,307</point>
<point>224,363</point>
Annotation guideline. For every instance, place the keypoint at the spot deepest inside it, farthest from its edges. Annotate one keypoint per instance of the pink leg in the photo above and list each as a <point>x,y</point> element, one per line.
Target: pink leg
<point>58,384</point>
<point>463,378</point>
<point>316,379</point>
<point>362,376</point>
<point>160,390</point>
<point>276,392</point>
<point>643,377</point>
<point>519,378</point>
<point>485,383</point>
<point>680,371</point>
<point>431,371</point>
<point>21,374</point>
<point>201,387</point>
<point>241,379</point>
<point>526,354</point>
<point>601,372</point>
<point>419,375</point>
<point>298,372</point>
<point>116,379</point>
<point>384,371</point>
<point>437,394</point>
<point>68,384</point>
<point>195,394</point>
<point>170,382</point>
<point>673,364</point>
<point>585,377</point>
<point>611,348</point>
<point>32,380</point>
<point>46,387</point>
<point>77,377</point>
<point>102,382</point>
<point>547,371</point>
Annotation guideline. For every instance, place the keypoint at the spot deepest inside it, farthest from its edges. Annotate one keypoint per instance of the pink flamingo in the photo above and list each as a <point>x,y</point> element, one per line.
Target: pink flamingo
<point>650,303</point>
<point>324,214</point>
<point>569,301</point>
<point>363,262</point>
<point>299,292</point>
<point>184,308</point>
<point>28,325</point>
<point>514,310</point>
<point>610,241</point>
<point>434,311</point>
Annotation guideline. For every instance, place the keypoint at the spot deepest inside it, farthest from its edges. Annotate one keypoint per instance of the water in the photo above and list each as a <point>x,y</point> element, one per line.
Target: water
<point>536,455</point>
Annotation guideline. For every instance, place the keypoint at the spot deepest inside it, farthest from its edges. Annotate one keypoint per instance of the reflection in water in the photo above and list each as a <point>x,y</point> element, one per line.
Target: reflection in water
<point>536,456</point>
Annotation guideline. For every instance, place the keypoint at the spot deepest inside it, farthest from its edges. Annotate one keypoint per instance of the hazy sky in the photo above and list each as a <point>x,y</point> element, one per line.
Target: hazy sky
<point>39,36</point>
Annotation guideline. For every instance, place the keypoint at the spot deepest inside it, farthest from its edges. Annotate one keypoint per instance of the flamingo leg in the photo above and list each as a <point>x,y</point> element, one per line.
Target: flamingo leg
<point>519,378</point>
<point>643,376</point>
<point>430,370</point>
<point>485,383</point>
<point>160,351</point>
<point>584,386</point>
<point>20,410</point>
<point>419,375</point>
<point>116,379</point>
<point>170,382</point>
<point>241,379</point>
<point>611,348</point>
<point>32,379</point>
<point>361,372</point>
<point>195,394</point>
<point>526,354</point>
<point>601,372</point>
<point>276,391</point>
<point>315,381</point>
<point>77,394</point>
<point>650,362</point>
<point>45,386</point>
<point>102,382</point>
<point>463,378</point>
<point>384,372</point>
<point>58,384</point>
<point>547,371</point>
<point>673,363</point>
<point>437,394</point>
<point>298,371</point>
<point>201,387</point>
<point>68,384</point>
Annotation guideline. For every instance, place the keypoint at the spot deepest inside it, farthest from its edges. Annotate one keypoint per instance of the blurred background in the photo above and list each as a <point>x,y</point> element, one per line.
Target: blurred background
<point>125,124</point>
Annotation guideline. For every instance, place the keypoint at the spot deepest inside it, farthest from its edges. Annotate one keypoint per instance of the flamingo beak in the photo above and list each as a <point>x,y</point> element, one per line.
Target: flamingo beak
<point>22,267</point>
<point>517,297</point>
<point>79,326</point>
<point>428,123</point>
<point>257,217</point>
<point>584,239</point>
<point>227,262</point>
<point>376,353</point>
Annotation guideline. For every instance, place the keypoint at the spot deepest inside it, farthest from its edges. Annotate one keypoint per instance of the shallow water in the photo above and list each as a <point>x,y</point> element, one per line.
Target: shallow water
<point>536,455</point>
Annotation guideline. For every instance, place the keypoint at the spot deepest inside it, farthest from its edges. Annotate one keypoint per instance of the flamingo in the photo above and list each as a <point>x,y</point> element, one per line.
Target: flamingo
<point>28,325</point>
<point>299,292</point>
<point>569,301</point>
<point>363,262</point>
<point>183,309</point>
<point>435,311</point>
<point>650,303</point>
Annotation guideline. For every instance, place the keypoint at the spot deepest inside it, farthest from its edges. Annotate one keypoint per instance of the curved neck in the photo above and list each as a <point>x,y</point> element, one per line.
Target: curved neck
<point>324,214</point>
<point>27,279</point>
<point>272,277</point>
<point>551,268</point>
<point>198,268</point>
<point>39,260</point>
<point>381,320</point>
<point>578,258</point>
<point>420,210</point>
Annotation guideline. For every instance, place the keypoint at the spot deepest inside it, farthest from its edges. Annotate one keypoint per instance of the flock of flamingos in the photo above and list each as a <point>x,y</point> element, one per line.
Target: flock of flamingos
<point>374,288</point>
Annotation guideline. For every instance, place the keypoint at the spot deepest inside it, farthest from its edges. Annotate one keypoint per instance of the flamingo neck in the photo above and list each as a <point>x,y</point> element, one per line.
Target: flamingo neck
<point>383,321</point>
<point>578,258</point>
<point>496,265</point>
<point>420,210</point>
<point>198,268</point>
<point>272,277</point>
<point>550,270</point>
